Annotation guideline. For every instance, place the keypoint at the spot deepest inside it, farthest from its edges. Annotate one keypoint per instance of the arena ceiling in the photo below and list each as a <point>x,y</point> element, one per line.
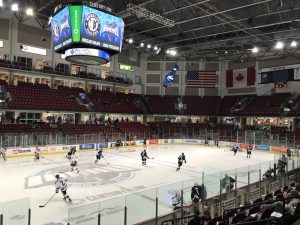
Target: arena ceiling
<point>206,28</point>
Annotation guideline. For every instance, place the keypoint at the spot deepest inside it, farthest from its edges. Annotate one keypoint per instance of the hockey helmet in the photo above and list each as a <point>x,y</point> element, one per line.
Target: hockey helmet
<point>57,176</point>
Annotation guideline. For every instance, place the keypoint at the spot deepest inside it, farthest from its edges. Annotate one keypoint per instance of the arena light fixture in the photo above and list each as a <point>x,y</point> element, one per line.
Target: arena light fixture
<point>158,51</point>
<point>254,50</point>
<point>155,48</point>
<point>15,7</point>
<point>1,3</point>
<point>29,12</point>
<point>130,40</point>
<point>148,46</point>
<point>168,51</point>
<point>279,45</point>
<point>294,44</point>
<point>142,44</point>
<point>173,52</point>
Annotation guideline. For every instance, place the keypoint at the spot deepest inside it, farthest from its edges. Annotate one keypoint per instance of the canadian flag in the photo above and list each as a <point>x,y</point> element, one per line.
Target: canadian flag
<point>240,77</point>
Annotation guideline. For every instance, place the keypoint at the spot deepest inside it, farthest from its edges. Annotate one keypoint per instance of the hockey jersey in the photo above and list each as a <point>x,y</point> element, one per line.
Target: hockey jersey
<point>61,184</point>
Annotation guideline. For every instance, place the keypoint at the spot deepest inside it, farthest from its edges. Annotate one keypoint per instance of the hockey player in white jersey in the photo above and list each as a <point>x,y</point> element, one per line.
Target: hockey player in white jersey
<point>61,184</point>
<point>37,154</point>
<point>74,164</point>
<point>3,153</point>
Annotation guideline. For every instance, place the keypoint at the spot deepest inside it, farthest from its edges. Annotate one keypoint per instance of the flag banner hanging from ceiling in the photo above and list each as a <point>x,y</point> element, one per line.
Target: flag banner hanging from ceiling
<point>201,79</point>
<point>241,77</point>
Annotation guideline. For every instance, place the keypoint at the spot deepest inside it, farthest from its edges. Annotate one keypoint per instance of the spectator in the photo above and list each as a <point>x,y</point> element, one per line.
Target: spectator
<point>197,220</point>
<point>293,203</point>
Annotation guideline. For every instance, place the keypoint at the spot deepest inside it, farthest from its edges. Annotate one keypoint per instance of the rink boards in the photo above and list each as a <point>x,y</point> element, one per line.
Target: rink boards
<point>63,149</point>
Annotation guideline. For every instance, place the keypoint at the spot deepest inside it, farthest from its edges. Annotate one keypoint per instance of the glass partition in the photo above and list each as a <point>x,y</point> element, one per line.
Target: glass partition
<point>16,212</point>
<point>113,211</point>
<point>144,203</point>
<point>86,213</point>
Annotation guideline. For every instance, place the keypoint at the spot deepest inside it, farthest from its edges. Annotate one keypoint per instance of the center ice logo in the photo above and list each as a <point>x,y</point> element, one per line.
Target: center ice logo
<point>90,175</point>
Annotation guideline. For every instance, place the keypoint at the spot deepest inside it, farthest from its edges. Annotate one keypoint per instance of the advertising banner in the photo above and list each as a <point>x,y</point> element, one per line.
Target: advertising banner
<point>20,151</point>
<point>102,145</point>
<point>129,143</point>
<point>87,147</point>
<point>262,148</point>
<point>153,141</point>
<point>281,150</point>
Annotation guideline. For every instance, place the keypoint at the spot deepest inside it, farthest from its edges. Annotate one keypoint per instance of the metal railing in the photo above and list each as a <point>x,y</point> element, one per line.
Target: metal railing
<point>253,137</point>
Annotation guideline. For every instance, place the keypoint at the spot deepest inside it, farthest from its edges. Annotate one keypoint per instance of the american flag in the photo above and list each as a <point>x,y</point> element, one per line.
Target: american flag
<point>201,79</point>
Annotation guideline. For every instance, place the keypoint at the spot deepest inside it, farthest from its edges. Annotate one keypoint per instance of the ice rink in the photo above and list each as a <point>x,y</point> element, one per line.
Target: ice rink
<point>21,178</point>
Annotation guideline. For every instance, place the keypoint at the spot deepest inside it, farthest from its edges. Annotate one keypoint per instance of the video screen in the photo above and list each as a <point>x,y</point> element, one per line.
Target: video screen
<point>101,29</point>
<point>61,29</point>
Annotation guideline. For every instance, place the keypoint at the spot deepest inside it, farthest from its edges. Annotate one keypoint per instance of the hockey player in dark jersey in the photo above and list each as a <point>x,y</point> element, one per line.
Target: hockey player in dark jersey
<point>235,149</point>
<point>61,184</point>
<point>99,155</point>
<point>144,157</point>
<point>118,144</point>
<point>37,154</point>
<point>227,183</point>
<point>198,193</point>
<point>3,153</point>
<point>289,153</point>
<point>145,142</point>
<point>181,159</point>
<point>71,153</point>
<point>249,151</point>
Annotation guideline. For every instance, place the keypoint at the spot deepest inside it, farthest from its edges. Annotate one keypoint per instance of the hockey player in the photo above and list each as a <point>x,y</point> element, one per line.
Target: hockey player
<point>99,155</point>
<point>205,142</point>
<point>145,142</point>
<point>118,144</point>
<point>249,151</point>
<point>3,153</point>
<point>61,184</point>
<point>74,164</point>
<point>217,143</point>
<point>37,154</point>
<point>144,157</point>
<point>71,153</point>
<point>289,153</point>
<point>196,193</point>
<point>235,149</point>
<point>181,159</point>
<point>176,201</point>
<point>270,173</point>
<point>227,182</point>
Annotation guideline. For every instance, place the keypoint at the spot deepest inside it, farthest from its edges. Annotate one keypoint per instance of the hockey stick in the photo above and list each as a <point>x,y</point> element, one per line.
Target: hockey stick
<point>41,206</point>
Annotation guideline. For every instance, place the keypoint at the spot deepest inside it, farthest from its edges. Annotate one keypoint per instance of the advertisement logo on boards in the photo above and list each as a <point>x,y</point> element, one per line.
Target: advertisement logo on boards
<point>92,24</point>
<point>87,147</point>
<point>262,147</point>
<point>103,145</point>
<point>20,151</point>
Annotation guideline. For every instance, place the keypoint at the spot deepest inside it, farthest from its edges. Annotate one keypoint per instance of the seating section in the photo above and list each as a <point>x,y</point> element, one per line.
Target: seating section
<point>105,101</point>
<point>201,105</point>
<point>85,129</point>
<point>24,128</point>
<point>166,127</point>
<point>264,105</point>
<point>41,97</point>
<point>227,103</point>
<point>135,129</point>
<point>162,104</point>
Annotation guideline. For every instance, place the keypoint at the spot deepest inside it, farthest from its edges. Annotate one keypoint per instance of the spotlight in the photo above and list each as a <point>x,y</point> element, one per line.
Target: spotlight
<point>158,51</point>
<point>294,44</point>
<point>142,44</point>
<point>173,52</point>
<point>148,46</point>
<point>254,50</point>
<point>130,40</point>
<point>155,48</point>
<point>279,45</point>
<point>168,51</point>
<point>1,3</point>
<point>15,7</point>
<point>226,52</point>
<point>29,12</point>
